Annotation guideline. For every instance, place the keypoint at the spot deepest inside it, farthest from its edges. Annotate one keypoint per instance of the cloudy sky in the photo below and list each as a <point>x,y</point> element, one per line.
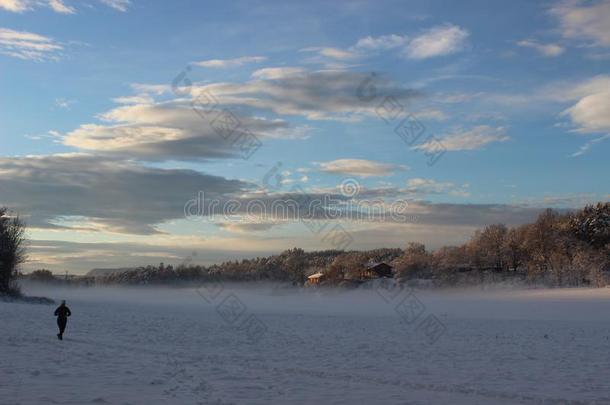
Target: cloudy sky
<point>129,125</point>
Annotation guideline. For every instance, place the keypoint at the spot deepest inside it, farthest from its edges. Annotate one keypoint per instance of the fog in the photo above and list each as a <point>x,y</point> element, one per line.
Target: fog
<point>304,345</point>
<point>575,304</point>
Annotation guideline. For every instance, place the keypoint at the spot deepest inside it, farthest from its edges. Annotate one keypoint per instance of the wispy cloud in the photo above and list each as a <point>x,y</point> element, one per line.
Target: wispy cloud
<point>333,58</point>
<point>383,42</point>
<point>472,139</point>
<point>431,114</point>
<point>277,72</point>
<point>549,50</point>
<point>587,146</point>
<point>59,6</point>
<point>438,41</point>
<point>227,63</point>
<point>64,103</point>
<point>337,53</point>
<point>584,20</point>
<point>359,167</point>
<point>146,88</point>
<point>27,45</point>
<point>120,5</point>
<point>421,186</point>
<point>246,227</point>
<point>138,99</point>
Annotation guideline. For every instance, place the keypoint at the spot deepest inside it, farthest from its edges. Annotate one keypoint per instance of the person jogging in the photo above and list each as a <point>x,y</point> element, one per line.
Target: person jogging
<point>62,313</point>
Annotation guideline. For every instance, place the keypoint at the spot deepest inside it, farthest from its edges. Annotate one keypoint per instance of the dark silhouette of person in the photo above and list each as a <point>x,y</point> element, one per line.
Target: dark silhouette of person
<point>62,313</point>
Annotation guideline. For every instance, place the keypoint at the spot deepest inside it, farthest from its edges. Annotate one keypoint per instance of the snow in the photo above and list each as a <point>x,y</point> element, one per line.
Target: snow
<point>181,346</point>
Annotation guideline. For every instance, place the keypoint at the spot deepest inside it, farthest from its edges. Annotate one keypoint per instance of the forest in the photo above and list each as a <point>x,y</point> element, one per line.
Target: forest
<point>558,249</point>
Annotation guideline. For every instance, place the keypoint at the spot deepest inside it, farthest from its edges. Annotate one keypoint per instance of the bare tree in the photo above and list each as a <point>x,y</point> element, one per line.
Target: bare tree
<point>12,250</point>
<point>514,249</point>
<point>415,262</point>
<point>487,247</point>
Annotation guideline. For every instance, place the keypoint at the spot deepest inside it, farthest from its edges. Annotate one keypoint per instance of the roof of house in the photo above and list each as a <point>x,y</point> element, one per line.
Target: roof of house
<point>373,265</point>
<point>316,275</point>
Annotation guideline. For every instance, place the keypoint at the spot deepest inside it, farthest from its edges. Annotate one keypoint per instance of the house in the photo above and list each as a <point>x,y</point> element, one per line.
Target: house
<point>376,270</point>
<point>315,278</point>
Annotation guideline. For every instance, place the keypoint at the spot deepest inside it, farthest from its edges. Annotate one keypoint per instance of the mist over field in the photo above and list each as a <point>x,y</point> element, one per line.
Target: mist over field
<point>170,345</point>
<point>488,301</point>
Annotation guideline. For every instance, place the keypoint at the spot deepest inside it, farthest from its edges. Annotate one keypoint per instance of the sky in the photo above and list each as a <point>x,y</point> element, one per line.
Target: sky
<point>136,132</point>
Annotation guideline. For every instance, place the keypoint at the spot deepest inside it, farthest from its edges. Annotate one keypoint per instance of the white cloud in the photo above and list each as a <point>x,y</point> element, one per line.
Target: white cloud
<point>138,99</point>
<point>383,42</point>
<point>549,50</point>
<point>277,72</point>
<point>430,114</point>
<point>588,101</point>
<point>591,113</point>
<point>437,41</point>
<point>246,227</point>
<point>120,137</point>
<point>337,53</point>
<point>142,128</point>
<point>333,53</point>
<point>60,7</point>
<point>27,45</point>
<point>120,5</point>
<point>156,89</point>
<point>64,103</point>
<point>421,186</point>
<point>359,167</point>
<point>16,6</point>
<point>473,139</point>
<point>585,20</point>
<point>227,63</point>
<point>165,131</point>
<point>20,6</point>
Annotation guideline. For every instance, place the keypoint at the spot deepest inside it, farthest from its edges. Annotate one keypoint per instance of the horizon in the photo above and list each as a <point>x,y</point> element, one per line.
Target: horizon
<point>145,132</point>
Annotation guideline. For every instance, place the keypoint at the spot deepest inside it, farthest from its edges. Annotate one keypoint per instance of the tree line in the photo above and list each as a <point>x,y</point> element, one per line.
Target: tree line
<point>569,249</point>
<point>558,249</point>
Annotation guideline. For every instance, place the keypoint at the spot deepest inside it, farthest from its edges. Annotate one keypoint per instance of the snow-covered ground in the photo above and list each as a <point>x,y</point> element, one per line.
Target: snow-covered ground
<point>279,346</point>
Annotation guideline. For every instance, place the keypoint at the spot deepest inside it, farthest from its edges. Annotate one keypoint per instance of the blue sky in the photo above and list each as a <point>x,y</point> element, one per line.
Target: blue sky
<point>101,152</point>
